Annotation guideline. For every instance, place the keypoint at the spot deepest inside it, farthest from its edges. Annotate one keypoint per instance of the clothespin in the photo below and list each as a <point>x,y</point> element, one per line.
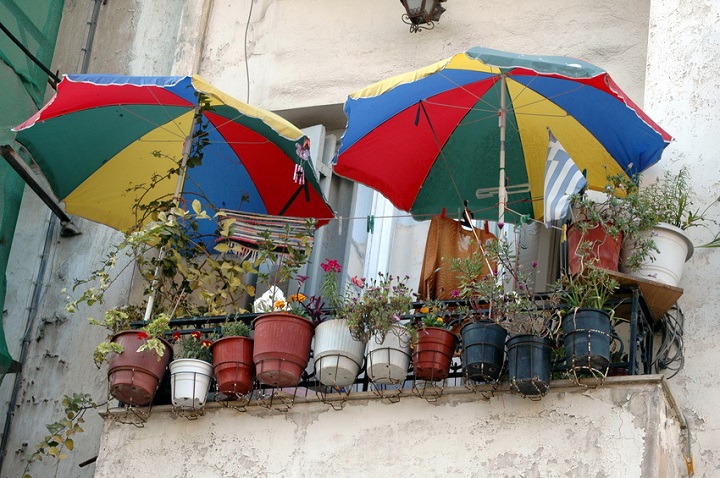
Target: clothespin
<point>371,224</point>
<point>563,235</point>
<point>442,214</point>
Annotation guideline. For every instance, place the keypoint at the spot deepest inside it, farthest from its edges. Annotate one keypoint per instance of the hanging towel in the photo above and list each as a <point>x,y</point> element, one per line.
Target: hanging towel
<point>446,239</point>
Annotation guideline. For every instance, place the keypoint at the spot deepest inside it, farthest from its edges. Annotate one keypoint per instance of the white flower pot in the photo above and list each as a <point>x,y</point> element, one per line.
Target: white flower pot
<point>388,361</point>
<point>675,249</point>
<point>190,382</point>
<point>338,357</point>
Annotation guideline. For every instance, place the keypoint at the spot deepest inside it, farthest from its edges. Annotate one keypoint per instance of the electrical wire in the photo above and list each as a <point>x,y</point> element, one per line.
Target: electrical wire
<point>671,353</point>
<point>247,67</point>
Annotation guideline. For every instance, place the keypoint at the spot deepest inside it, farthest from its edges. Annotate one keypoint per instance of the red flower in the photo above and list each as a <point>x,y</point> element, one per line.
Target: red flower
<point>196,335</point>
<point>331,266</point>
<point>206,343</point>
<point>142,335</point>
<point>176,336</point>
<point>358,282</point>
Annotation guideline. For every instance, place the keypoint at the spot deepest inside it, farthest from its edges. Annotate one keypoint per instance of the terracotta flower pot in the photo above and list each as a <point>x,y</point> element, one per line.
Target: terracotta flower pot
<point>604,247</point>
<point>233,365</point>
<point>433,353</point>
<point>134,376</point>
<point>282,348</point>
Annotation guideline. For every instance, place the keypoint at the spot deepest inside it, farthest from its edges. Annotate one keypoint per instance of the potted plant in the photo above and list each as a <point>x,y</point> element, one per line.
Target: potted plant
<point>668,199</point>
<point>137,360</point>
<point>532,322</point>
<point>373,312</point>
<point>232,356</point>
<point>338,356</point>
<point>183,277</point>
<point>433,345</point>
<point>190,371</point>
<point>482,338</point>
<point>586,326</point>
<point>282,339</point>
<point>609,219</point>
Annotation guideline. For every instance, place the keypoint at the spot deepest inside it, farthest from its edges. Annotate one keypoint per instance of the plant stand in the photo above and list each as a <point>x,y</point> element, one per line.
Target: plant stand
<point>190,383</point>
<point>483,352</point>
<point>282,348</point>
<point>529,365</point>
<point>338,357</point>
<point>587,337</point>
<point>233,366</point>
<point>134,376</point>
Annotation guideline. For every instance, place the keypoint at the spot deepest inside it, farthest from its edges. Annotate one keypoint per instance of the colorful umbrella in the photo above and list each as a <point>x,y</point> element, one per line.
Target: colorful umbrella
<point>475,128</point>
<point>103,139</point>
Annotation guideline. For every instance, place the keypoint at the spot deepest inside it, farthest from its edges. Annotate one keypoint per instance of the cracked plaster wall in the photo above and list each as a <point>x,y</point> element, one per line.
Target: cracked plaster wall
<point>682,89</point>
<point>623,430</point>
<point>315,52</point>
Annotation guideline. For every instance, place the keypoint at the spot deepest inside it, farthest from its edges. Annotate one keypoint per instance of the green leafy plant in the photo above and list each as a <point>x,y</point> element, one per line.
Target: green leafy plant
<point>623,213</point>
<point>670,198</point>
<point>235,328</point>
<point>63,431</point>
<point>592,286</point>
<point>373,307</point>
<point>192,346</point>
<point>480,286</point>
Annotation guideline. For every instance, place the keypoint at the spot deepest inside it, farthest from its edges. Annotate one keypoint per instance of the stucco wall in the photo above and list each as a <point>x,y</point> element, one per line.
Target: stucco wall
<point>683,90</point>
<point>315,52</point>
<point>624,429</point>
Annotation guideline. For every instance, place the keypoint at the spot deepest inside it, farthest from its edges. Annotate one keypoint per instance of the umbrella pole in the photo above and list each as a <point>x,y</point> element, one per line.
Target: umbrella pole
<point>502,117</point>
<point>176,200</point>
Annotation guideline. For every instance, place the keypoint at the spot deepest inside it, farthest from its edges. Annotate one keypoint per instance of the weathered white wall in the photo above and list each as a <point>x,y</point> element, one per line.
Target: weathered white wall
<point>315,52</point>
<point>624,430</point>
<point>682,91</point>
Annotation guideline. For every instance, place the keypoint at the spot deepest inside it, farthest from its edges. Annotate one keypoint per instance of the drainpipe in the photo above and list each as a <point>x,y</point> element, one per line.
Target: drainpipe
<point>91,35</point>
<point>32,314</point>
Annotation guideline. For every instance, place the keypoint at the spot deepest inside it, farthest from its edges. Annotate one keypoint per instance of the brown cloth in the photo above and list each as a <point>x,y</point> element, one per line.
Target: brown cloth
<point>446,239</point>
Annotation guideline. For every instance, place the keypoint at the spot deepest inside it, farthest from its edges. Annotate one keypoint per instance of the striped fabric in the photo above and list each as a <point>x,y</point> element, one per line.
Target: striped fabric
<point>562,180</point>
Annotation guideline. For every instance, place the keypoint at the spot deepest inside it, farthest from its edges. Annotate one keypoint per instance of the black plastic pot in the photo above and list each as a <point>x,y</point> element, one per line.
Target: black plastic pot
<point>587,336</point>
<point>529,364</point>
<point>483,351</point>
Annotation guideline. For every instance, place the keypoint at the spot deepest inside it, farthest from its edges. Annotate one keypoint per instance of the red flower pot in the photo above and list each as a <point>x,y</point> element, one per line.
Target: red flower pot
<point>282,348</point>
<point>233,365</point>
<point>604,247</point>
<point>134,376</point>
<point>433,353</point>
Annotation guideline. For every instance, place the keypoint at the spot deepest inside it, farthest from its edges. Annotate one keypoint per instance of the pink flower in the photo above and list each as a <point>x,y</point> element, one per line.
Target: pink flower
<point>142,335</point>
<point>301,279</point>
<point>358,282</point>
<point>455,293</point>
<point>534,264</point>
<point>331,266</point>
